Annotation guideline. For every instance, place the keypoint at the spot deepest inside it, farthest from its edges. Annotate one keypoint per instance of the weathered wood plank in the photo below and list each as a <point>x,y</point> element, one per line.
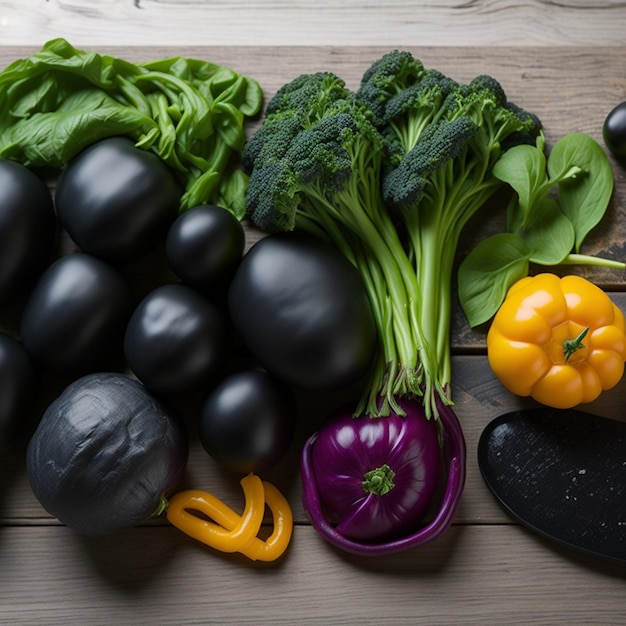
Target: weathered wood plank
<point>475,575</point>
<point>299,22</point>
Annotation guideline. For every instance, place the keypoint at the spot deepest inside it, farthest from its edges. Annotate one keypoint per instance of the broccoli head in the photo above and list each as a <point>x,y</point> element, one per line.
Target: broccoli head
<point>503,124</point>
<point>404,96</point>
<point>308,96</point>
<point>439,145</point>
<point>317,141</point>
<point>393,73</point>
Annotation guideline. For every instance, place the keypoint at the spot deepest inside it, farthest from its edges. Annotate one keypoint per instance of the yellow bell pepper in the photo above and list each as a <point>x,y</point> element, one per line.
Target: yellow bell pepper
<point>561,341</point>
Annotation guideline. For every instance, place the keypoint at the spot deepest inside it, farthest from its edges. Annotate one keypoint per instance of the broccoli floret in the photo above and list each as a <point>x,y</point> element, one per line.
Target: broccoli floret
<point>393,73</point>
<point>316,160</point>
<point>423,103</point>
<point>502,124</point>
<point>271,200</point>
<point>271,140</point>
<point>440,144</point>
<point>398,88</point>
<point>308,96</point>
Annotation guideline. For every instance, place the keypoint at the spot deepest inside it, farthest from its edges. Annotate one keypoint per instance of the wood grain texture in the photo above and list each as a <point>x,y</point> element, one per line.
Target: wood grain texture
<point>479,575</point>
<point>325,22</point>
<point>485,570</point>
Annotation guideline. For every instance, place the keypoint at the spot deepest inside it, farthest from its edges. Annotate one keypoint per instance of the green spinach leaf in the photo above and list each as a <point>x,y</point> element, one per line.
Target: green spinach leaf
<point>488,271</point>
<point>523,167</point>
<point>548,233</point>
<point>584,197</point>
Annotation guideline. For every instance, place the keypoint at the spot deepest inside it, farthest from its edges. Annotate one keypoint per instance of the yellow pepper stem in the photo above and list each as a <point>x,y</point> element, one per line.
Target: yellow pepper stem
<point>572,345</point>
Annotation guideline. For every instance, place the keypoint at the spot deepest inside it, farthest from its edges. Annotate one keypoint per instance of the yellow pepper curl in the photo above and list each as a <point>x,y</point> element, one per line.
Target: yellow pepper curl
<point>229,531</point>
<point>560,340</point>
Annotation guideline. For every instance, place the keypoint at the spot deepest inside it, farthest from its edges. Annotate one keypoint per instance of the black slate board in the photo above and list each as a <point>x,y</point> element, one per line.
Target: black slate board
<point>561,473</point>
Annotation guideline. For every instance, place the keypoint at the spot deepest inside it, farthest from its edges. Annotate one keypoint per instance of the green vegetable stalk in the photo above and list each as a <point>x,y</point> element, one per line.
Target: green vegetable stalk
<point>391,174</point>
<point>190,112</point>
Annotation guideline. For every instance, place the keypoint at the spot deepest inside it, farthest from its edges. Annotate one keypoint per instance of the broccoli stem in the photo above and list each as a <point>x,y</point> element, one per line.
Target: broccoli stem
<point>434,227</point>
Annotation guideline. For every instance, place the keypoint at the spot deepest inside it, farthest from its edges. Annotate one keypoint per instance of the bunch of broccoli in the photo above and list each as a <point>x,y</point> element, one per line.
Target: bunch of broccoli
<point>390,173</point>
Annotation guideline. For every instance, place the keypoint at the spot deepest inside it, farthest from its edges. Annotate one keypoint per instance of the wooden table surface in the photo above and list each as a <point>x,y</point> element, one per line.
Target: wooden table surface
<point>566,62</point>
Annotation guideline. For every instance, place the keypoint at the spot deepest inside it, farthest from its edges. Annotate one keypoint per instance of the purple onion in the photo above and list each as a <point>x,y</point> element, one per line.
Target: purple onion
<point>374,486</point>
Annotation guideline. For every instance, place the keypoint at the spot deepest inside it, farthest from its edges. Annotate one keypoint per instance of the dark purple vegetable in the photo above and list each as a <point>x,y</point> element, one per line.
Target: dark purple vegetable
<point>614,131</point>
<point>348,458</point>
<point>117,201</point>
<point>176,340</point>
<point>247,421</point>
<point>18,384</point>
<point>28,228</point>
<point>376,476</point>
<point>74,320</point>
<point>104,453</point>
<point>302,310</point>
<point>204,247</point>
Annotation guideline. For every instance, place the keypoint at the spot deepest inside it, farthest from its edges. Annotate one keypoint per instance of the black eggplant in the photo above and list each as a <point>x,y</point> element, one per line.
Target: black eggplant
<point>301,309</point>
<point>74,319</point>
<point>28,229</point>
<point>104,454</point>
<point>117,201</point>
<point>204,246</point>
<point>176,340</point>
<point>18,388</point>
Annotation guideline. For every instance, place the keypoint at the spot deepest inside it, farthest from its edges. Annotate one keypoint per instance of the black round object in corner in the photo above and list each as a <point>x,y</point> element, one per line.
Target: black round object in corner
<point>561,473</point>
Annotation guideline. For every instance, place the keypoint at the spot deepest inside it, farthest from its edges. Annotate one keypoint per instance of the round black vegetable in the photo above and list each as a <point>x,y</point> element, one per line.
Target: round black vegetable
<point>301,309</point>
<point>175,340</point>
<point>17,388</point>
<point>104,453</point>
<point>204,246</point>
<point>247,421</point>
<point>74,320</point>
<point>117,201</point>
<point>28,228</point>
<point>614,131</point>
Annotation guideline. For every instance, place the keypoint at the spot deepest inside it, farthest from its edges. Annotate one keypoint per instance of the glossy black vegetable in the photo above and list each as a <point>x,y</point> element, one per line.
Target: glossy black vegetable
<point>104,453</point>
<point>175,340</point>
<point>74,320</point>
<point>247,421</point>
<point>18,385</point>
<point>301,309</point>
<point>614,131</point>
<point>28,228</point>
<point>117,201</point>
<point>204,246</point>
